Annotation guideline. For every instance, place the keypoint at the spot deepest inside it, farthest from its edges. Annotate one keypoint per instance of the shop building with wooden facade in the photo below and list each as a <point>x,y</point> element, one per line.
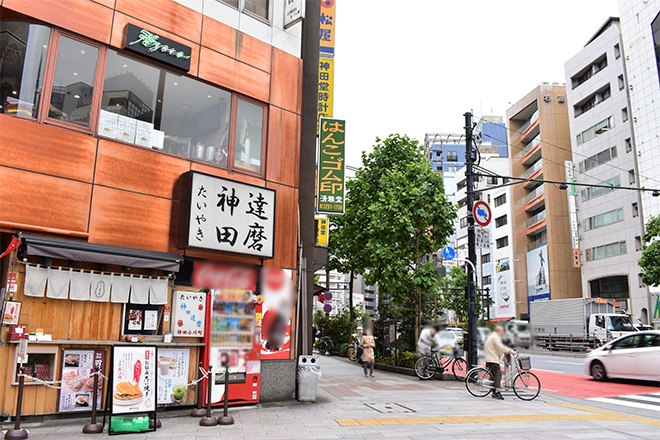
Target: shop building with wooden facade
<point>149,169</point>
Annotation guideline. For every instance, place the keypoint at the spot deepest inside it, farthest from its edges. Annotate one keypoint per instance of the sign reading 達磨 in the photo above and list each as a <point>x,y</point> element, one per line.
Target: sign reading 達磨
<point>330,185</point>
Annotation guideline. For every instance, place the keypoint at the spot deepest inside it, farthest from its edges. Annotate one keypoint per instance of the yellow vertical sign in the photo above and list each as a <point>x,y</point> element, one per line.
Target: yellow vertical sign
<point>327,29</point>
<point>322,231</point>
<point>326,87</point>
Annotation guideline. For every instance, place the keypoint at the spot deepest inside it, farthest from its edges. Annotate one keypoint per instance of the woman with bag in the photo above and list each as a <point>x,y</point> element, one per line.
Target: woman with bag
<point>368,343</point>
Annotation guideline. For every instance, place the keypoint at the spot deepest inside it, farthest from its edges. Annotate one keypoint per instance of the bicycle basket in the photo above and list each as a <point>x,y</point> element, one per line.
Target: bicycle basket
<point>525,363</point>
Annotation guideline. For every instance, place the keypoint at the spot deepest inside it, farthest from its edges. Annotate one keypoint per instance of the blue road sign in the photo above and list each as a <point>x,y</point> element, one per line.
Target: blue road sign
<point>448,253</point>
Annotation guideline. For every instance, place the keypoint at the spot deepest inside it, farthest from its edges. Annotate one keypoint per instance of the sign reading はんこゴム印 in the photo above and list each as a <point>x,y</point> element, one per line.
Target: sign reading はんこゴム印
<point>156,46</point>
<point>330,185</point>
<point>229,216</point>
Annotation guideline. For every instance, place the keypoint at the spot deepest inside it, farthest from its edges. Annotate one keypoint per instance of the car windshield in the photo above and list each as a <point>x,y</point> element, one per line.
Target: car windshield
<point>522,327</point>
<point>620,324</point>
<point>446,335</point>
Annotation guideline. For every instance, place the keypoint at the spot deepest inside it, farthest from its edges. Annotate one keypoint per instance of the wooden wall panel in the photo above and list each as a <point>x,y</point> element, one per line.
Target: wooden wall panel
<point>44,149</point>
<point>220,172</point>
<point>37,199</point>
<point>127,219</point>
<point>232,43</point>
<point>83,17</point>
<point>286,236</point>
<point>252,82</point>
<point>119,36</point>
<point>283,147</point>
<point>286,81</point>
<point>253,52</point>
<point>123,167</point>
<point>165,14</point>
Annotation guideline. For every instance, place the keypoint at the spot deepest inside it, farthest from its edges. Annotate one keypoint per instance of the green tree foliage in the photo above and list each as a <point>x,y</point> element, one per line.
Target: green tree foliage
<point>650,260</point>
<point>396,214</point>
<point>338,326</point>
<point>453,292</point>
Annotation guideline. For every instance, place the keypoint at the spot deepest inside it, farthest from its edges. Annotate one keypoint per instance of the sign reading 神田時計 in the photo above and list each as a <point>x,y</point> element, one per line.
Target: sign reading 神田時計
<point>155,46</point>
<point>330,185</point>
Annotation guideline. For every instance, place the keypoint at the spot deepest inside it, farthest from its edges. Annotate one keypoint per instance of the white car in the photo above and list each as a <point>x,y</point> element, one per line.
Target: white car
<point>458,332</point>
<point>446,341</point>
<point>635,356</point>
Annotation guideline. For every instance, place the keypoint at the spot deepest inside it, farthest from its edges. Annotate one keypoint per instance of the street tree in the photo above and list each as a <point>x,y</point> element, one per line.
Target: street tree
<point>650,260</point>
<point>453,292</point>
<point>396,214</point>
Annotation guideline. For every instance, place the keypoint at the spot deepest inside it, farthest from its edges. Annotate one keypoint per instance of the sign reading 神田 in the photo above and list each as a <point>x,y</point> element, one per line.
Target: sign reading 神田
<point>155,46</point>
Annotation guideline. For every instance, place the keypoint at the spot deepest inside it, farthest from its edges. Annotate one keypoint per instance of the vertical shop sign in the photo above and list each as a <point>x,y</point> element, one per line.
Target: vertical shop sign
<point>189,313</point>
<point>327,28</point>
<point>322,231</point>
<point>77,390</point>
<point>134,383</point>
<point>172,375</point>
<point>326,88</point>
<point>572,213</point>
<point>293,13</point>
<point>229,216</point>
<point>330,194</point>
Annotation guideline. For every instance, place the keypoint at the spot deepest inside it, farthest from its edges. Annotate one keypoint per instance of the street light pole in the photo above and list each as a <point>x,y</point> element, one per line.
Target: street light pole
<point>470,292</point>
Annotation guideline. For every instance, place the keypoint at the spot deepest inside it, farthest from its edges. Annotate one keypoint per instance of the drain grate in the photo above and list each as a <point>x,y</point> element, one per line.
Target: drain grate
<point>389,408</point>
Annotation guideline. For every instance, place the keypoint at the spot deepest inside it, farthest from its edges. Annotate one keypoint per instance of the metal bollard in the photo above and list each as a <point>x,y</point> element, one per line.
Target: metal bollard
<point>208,420</point>
<point>17,433</point>
<point>226,419</point>
<point>93,427</point>
<point>199,411</point>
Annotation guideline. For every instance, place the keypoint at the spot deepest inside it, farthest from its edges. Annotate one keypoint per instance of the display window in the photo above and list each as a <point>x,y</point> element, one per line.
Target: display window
<point>64,80</point>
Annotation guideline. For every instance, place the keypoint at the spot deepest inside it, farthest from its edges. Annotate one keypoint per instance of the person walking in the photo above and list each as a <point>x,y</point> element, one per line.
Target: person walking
<point>368,343</point>
<point>494,349</point>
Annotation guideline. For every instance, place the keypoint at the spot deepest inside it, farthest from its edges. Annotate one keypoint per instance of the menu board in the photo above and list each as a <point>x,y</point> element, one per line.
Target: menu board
<point>172,375</point>
<point>188,313</point>
<point>78,382</point>
<point>134,379</point>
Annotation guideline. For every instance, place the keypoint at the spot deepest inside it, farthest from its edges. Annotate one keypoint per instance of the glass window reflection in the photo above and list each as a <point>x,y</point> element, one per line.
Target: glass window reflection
<point>249,132</point>
<point>22,63</point>
<point>73,82</point>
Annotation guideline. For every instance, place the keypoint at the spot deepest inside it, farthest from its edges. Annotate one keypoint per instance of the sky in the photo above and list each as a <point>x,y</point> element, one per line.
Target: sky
<point>416,66</point>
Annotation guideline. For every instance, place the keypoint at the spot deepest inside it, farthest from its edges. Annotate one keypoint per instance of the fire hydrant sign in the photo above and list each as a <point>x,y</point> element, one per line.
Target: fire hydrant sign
<point>188,314</point>
<point>134,379</point>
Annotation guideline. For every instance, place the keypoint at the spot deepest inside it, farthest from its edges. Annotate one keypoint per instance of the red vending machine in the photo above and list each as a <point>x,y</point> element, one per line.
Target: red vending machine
<point>233,342</point>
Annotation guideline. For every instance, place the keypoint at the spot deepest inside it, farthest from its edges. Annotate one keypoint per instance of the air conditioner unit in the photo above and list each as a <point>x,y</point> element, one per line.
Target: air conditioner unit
<point>561,99</point>
<point>547,98</point>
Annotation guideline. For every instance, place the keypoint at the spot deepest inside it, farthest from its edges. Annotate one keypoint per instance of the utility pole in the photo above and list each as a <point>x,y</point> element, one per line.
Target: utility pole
<point>470,292</point>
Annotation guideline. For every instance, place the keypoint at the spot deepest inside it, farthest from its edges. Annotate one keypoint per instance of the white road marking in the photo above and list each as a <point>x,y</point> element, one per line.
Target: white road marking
<point>639,401</point>
<point>548,371</point>
<point>567,363</point>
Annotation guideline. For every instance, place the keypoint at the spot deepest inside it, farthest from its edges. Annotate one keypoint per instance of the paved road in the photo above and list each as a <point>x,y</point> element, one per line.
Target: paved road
<point>401,407</point>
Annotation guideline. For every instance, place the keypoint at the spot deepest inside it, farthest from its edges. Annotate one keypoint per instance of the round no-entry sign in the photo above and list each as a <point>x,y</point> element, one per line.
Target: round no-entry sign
<point>481,213</point>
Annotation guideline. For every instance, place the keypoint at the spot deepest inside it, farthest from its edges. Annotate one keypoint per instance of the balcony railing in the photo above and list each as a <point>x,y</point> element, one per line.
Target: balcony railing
<point>529,147</point>
<point>534,168</point>
<point>534,194</point>
<point>529,122</point>
<point>534,220</point>
<point>537,243</point>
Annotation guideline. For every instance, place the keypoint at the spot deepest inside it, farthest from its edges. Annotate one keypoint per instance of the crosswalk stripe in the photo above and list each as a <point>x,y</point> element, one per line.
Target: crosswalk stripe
<point>633,403</point>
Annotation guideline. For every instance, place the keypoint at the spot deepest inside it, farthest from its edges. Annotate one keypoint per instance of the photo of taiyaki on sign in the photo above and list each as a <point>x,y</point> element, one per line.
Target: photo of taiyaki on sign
<point>127,393</point>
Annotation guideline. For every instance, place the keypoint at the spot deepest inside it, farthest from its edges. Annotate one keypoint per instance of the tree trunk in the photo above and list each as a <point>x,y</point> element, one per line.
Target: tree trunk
<point>350,301</point>
<point>416,294</point>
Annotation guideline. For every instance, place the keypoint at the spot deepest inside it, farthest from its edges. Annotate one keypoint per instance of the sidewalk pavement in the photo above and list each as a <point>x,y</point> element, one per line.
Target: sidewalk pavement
<point>394,406</point>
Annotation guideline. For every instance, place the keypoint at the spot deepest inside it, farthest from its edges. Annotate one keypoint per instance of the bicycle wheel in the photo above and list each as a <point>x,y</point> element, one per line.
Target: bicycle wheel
<point>351,353</point>
<point>479,382</point>
<point>425,367</point>
<point>526,385</point>
<point>459,368</point>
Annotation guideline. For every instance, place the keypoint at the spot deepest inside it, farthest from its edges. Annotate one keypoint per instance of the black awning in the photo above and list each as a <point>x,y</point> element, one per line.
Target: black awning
<point>98,253</point>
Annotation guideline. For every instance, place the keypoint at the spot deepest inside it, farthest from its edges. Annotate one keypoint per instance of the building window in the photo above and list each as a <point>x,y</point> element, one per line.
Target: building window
<point>606,251</point>
<point>655,27</point>
<point>631,176</point>
<point>260,8</point>
<point>438,154</point>
<point>638,243</point>
<point>464,222</point>
<point>598,159</point>
<point>584,75</point>
<point>502,242</point>
<point>249,135</point>
<point>451,169</point>
<point>593,192</point>
<point>635,210</point>
<point>604,219</point>
<point>639,280</point>
<point>232,3</point>
<point>22,65</point>
<point>591,102</point>
<point>500,221</point>
<point>486,280</point>
<point>596,130</point>
<point>617,51</point>
<point>500,200</point>
<point>485,258</point>
<point>452,156</point>
<point>624,114</point>
<point>628,142</point>
<point>622,83</point>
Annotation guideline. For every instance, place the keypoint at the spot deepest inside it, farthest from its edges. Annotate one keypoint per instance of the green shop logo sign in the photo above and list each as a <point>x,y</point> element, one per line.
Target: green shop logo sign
<point>155,46</point>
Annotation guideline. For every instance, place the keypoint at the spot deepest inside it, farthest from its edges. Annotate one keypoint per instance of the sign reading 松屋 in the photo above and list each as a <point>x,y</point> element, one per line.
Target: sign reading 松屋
<point>230,216</point>
<point>330,185</point>
<point>327,27</point>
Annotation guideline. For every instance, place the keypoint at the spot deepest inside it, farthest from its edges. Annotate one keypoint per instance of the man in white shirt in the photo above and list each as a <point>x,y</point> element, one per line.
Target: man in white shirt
<point>494,349</point>
<point>426,340</point>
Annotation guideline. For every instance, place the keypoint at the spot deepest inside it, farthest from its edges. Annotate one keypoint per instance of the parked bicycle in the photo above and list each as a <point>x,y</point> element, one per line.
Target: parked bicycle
<point>427,365</point>
<point>354,351</point>
<point>325,345</point>
<point>525,384</point>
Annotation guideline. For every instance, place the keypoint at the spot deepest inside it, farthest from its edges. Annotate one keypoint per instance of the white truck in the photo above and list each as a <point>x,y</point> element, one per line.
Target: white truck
<point>577,324</point>
<point>517,333</point>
